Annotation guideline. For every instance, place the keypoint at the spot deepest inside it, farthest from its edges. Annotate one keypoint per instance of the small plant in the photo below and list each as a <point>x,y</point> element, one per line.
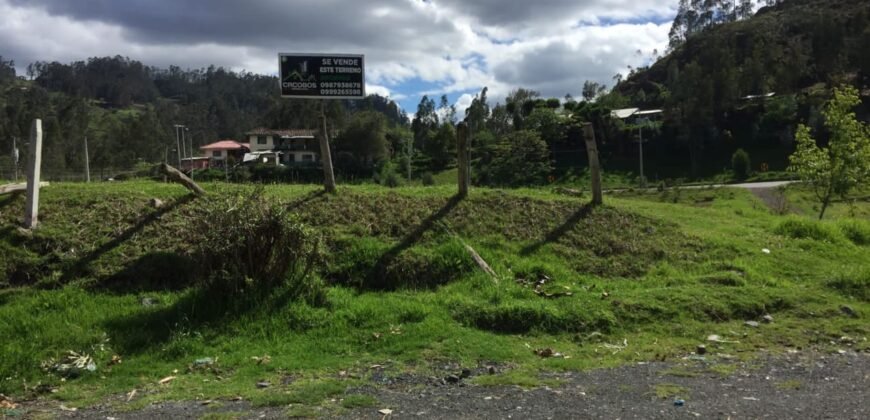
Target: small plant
<point>741,164</point>
<point>842,166</point>
<point>428,179</point>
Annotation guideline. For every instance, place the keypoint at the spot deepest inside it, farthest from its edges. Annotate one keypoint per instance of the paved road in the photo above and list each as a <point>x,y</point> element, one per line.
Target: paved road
<point>747,186</point>
<point>759,185</point>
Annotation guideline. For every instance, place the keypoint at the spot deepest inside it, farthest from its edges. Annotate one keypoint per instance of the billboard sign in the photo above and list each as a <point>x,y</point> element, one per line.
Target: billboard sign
<point>322,76</point>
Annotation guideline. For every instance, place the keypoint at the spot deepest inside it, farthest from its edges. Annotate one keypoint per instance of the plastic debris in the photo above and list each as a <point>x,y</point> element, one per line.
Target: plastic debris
<point>6,403</point>
<point>679,402</point>
<point>262,360</point>
<point>70,365</point>
<point>130,395</point>
<point>766,251</point>
<point>385,411</point>
<point>717,339</point>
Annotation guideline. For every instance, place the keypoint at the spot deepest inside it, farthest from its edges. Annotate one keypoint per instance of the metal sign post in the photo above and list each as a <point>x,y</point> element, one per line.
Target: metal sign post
<point>322,76</point>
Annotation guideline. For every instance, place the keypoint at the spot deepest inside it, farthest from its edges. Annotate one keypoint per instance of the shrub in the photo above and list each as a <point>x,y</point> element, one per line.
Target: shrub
<point>388,175</point>
<point>857,231</point>
<point>854,283</point>
<point>368,263</point>
<point>428,179</point>
<point>807,229</point>
<point>246,241</point>
<point>741,164</point>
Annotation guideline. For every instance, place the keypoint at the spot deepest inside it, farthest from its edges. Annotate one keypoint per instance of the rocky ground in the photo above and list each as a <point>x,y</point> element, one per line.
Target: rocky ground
<point>796,385</point>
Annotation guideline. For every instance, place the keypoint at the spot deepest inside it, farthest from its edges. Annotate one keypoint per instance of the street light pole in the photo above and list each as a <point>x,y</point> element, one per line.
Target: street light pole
<point>15,156</point>
<point>640,137</point>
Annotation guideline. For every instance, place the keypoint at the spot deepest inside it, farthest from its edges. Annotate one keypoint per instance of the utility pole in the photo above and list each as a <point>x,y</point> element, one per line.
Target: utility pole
<point>189,157</point>
<point>640,143</point>
<point>15,156</point>
<point>177,145</point>
<point>87,162</point>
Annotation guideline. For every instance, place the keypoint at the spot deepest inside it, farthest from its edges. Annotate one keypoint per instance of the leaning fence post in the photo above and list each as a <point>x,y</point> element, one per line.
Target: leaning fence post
<point>34,164</point>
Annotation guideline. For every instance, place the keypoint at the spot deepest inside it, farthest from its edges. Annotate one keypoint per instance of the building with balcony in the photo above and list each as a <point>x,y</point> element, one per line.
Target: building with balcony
<point>293,147</point>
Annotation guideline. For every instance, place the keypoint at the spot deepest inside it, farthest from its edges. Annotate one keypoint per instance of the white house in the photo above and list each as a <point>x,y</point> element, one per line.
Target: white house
<point>295,147</point>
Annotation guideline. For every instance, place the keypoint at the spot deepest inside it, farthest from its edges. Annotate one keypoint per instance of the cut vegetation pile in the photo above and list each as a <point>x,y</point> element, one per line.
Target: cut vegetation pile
<point>377,276</point>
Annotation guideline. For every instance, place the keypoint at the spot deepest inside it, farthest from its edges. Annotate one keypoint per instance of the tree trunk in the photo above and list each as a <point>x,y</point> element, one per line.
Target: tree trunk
<point>825,203</point>
<point>176,176</point>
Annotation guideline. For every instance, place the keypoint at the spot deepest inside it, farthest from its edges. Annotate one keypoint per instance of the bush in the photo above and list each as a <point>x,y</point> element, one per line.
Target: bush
<point>428,179</point>
<point>741,164</point>
<point>521,158</point>
<point>246,241</point>
<point>370,264</point>
<point>857,231</point>
<point>854,283</point>
<point>388,175</point>
<point>808,229</point>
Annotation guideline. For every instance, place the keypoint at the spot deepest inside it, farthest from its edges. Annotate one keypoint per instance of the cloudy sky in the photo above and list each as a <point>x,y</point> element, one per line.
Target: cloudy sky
<point>412,47</point>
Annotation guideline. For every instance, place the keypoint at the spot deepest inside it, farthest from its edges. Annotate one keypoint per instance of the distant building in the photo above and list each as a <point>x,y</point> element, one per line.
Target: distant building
<point>292,147</point>
<point>220,152</point>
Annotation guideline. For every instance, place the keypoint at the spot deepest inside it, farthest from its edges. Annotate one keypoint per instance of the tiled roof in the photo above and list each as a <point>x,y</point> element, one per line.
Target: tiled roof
<point>224,145</point>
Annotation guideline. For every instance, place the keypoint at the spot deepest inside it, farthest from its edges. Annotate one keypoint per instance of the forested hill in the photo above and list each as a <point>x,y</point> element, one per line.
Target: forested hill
<point>712,82</point>
<point>785,48</point>
<point>127,109</point>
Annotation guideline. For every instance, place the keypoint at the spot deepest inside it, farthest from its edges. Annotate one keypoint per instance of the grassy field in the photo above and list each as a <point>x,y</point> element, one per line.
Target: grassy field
<point>649,276</point>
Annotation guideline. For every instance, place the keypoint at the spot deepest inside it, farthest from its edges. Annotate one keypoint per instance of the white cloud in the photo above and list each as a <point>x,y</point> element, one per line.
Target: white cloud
<point>554,45</point>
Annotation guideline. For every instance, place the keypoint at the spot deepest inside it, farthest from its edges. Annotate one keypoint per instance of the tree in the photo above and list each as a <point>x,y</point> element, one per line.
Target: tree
<point>521,158</point>
<point>844,164</point>
<point>447,111</point>
<point>547,124</point>
<point>516,105</point>
<point>478,112</point>
<point>440,148</point>
<point>592,90</point>
<point>425,122</point>
<point>365,137</point>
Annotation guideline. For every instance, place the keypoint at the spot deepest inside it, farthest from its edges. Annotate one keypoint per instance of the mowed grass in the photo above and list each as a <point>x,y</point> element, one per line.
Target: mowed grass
<point>648,276</point>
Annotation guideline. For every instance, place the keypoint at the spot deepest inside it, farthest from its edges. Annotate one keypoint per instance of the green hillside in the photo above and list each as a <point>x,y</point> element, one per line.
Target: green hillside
<point>649,276</point>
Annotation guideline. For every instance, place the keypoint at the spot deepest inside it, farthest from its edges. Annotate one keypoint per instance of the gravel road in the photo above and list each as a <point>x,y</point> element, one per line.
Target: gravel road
<point>804,385</point>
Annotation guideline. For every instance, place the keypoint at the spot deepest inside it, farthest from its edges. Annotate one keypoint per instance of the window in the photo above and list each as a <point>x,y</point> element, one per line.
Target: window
<point>216,153</point>
<point>289,157</point>
<point>261,140</point>
<point>307,158</point>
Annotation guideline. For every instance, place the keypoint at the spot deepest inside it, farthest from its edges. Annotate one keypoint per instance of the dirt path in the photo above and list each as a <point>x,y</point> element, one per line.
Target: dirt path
<point>801,385</point>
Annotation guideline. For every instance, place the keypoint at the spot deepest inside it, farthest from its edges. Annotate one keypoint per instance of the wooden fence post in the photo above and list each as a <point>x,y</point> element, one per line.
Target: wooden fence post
<point>462,151</point>
<point>34,164</point>
<point>594,165</point>
<point>325,154</point>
